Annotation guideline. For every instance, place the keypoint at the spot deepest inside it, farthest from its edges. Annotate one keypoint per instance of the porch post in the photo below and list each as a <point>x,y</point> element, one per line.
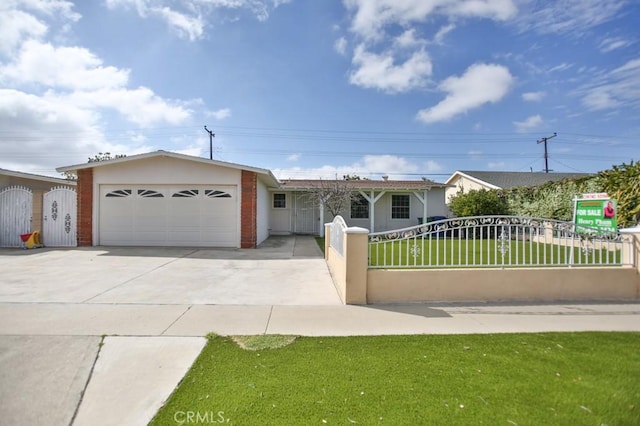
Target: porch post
<point>423,199</point>
<point>424,207</point>
<point>322,227</point>
<point>372,211</point>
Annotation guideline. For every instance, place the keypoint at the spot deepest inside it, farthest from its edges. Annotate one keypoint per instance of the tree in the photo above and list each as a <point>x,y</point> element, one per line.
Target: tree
<point>479,203</point>
<point>334,195</point>
<point>101,156</point>
<point>105,156</point>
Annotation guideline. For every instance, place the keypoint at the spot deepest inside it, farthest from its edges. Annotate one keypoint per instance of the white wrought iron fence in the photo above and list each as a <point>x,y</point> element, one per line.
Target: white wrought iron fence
<point>496,241</point>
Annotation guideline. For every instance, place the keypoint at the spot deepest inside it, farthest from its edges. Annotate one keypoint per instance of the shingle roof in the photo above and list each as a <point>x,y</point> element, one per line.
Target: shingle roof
<point>363,184</point>
<point>24,175</point>
<point>508,180</point>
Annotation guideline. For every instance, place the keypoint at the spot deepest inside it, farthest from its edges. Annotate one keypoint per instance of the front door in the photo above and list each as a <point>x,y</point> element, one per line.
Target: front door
<point>306,215</point>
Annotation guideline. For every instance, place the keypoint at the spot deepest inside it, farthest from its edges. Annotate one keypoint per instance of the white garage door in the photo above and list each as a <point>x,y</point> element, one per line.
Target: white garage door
<point>163,215</point>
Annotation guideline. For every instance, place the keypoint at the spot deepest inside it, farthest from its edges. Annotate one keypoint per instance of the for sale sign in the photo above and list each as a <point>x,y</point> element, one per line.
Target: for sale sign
<point>595,214</point>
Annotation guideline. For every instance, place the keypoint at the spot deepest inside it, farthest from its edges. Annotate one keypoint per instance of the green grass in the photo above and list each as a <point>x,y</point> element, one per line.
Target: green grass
<point>502,379</point>
<point>455,252</point>
<point>320,242</point>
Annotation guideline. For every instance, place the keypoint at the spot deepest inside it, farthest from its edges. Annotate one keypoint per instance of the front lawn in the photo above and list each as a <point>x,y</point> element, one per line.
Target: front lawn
<point>502,379</point>
<point>453,252</point>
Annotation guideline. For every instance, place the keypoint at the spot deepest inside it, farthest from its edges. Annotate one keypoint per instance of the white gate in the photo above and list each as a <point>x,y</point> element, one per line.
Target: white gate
<point>16,207</point>
<point>59,218</point>
<point>306,216</point>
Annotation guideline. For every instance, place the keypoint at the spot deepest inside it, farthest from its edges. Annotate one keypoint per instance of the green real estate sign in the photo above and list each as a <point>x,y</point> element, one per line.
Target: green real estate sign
<point>596,214</point>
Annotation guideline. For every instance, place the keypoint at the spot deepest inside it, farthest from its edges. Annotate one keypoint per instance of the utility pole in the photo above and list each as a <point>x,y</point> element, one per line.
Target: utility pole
<point>211,135</point>
<point>546,153</point>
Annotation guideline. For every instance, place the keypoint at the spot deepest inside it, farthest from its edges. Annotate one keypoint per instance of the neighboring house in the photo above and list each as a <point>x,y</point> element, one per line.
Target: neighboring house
<point>468,180</point>
<point>167,199</point>
<point>24,204</point>
<point>378,205</point>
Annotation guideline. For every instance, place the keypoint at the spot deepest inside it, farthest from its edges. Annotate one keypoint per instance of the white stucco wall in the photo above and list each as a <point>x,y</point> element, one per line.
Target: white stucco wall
<point>465,184</point>
<point>161,171</point>
<point>263,207</point>
<point>165,170</point>
<point>280,220</point>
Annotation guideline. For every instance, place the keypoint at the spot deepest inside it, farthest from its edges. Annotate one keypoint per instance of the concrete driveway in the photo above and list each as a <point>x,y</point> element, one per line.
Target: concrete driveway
<point>56,303</point>
<point>282,271</point>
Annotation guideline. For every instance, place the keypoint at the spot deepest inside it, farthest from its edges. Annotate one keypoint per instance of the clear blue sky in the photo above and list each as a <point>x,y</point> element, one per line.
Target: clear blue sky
<point>319,88</point>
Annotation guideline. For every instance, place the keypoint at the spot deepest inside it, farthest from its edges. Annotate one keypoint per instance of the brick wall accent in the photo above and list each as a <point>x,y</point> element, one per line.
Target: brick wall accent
<point>85,207</point>
<point>249,210</point>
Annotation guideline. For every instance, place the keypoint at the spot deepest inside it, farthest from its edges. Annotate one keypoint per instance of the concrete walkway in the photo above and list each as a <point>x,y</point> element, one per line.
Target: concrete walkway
<point>56,368</point>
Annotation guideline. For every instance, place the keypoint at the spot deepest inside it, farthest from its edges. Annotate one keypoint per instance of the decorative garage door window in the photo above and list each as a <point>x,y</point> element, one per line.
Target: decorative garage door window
<point>119,193</point>
<point>187,193</point>
<point>149,193</point>
<point>214,193</point>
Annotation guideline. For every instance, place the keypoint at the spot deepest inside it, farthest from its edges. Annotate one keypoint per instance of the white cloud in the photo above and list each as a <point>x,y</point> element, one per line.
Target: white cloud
<point>431,166</point>
<point>529,123</point>
<point>442,32</point>
<point>533,96</point>
<point>388,164</point>
<point>188,18</point>
<point>56,98</point>
<point>615,89</point>
<point>381,72</point>
<point>573,17</point>
<point>408,39</point>
<point>341,46</point>
<point>220,114</point>
<point>293,157</point>
<point>613,43</point>
<point>16,25</point>
<point>140,106</point>
<point>562,67</point>
<point>191,27</point>
<point>74,68</point>
<point>52,8</point>
<point>480,84</point>
<point>370,17</point>
<point>33,124</point>
<point>370,166</point>
<point>497,165</point>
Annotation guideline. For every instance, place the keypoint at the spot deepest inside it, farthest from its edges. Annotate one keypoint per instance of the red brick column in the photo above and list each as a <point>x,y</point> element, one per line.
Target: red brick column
<point>249,210</point>
<point>85,207</point>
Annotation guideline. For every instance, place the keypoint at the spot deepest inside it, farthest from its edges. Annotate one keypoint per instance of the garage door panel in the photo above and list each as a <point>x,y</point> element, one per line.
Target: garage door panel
<point>169,215</point>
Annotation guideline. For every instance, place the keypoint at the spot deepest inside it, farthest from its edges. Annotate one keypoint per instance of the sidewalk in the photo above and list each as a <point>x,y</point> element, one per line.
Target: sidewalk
<point>62,319</point>
<point>129,377</point>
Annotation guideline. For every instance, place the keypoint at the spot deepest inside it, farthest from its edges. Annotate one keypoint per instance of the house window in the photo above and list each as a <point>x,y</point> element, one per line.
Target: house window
<point>279,201</point>
<point>359,207</point>
<point>400,206</point>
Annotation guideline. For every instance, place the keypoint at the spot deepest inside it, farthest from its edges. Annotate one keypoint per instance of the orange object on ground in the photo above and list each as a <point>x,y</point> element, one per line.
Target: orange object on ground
<point>31,240</point>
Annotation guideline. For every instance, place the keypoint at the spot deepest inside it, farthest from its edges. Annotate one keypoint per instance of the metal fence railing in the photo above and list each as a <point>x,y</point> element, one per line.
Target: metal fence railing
<point>496,241</point>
